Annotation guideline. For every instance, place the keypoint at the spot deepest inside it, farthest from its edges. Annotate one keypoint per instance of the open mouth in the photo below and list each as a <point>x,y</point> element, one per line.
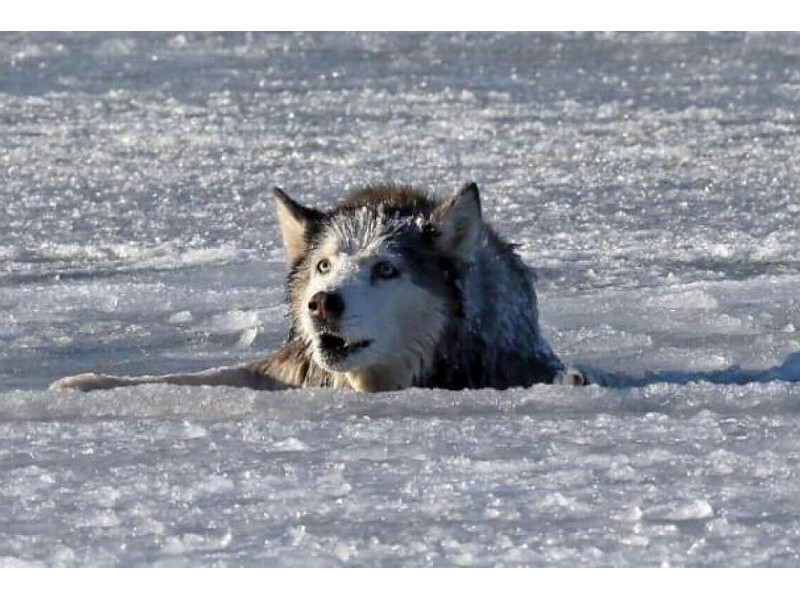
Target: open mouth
<point>334,347</point>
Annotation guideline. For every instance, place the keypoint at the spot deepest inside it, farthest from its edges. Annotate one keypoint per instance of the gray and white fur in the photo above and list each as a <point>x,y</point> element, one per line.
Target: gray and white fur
<point>392,289</point>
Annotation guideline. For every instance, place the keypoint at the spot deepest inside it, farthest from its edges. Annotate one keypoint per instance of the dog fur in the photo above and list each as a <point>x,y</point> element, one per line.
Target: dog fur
<point>392,289</point>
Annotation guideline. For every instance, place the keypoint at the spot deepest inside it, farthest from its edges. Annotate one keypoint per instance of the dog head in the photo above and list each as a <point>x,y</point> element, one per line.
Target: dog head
<point>374,283</point>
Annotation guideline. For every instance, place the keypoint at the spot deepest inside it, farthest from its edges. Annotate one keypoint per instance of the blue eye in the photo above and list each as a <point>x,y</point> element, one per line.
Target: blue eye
<point>323,266</point>
<point>385,270</point>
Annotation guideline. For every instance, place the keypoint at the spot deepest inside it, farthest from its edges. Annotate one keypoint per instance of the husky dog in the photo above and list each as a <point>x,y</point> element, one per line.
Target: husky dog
<point>392,289</point>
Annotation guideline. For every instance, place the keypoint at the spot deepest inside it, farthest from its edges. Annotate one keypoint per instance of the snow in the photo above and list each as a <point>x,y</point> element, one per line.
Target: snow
<point>652,179</point>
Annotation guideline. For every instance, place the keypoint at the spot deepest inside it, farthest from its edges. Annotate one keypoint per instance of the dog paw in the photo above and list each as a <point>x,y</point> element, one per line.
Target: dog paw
<point>83,382</point>
<point>570,376</point>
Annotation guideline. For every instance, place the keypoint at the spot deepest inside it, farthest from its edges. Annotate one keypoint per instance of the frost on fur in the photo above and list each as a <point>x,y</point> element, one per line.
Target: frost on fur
<point>389,289</point>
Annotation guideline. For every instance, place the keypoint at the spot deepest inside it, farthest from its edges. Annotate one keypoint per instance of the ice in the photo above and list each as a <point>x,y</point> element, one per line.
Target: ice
<point>652,179</point>
<point>692,510</point>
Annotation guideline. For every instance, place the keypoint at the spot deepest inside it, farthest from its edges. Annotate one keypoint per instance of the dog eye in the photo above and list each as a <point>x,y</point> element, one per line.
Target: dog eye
<point>385,270</point>
<point>323,266</point>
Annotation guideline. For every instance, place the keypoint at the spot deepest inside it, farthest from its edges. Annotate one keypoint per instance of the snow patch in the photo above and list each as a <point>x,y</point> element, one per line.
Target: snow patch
<point>692,510</point>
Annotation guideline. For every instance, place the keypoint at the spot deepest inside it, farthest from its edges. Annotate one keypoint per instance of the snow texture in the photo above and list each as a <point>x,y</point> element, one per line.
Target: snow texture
<point>652,179</point>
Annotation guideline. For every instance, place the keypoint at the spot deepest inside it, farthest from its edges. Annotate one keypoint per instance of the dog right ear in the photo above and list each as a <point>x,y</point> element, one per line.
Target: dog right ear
<point>460,224</point>
<point>294,221</point>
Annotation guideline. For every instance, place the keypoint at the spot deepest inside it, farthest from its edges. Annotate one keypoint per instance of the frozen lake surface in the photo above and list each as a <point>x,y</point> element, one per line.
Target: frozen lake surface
<point>653,180</point>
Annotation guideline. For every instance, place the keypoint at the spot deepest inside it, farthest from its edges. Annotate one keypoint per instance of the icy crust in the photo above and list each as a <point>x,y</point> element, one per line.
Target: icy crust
<point>706,476</point>
<point>232,404</point>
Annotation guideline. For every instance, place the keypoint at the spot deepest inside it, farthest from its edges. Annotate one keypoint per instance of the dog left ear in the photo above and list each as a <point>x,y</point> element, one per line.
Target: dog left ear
<point>460,224</point>
<point>294,221</point>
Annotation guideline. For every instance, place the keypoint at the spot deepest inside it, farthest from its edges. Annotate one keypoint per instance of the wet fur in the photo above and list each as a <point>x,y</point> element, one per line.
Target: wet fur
<point>485,333</point>
<point>481,351</point>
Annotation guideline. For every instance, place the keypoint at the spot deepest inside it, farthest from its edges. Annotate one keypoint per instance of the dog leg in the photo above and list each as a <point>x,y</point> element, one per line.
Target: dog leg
<point>570,376</point>
<point>243,377</point>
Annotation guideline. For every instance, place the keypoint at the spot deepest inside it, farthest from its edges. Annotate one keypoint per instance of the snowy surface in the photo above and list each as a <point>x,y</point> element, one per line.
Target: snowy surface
<point>653,180</point>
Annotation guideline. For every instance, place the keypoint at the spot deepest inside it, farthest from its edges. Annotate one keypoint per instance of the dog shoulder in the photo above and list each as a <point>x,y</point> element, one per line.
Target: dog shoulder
<point>290,367</point>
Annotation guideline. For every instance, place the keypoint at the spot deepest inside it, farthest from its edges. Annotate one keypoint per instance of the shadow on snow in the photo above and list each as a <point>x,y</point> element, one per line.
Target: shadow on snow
<point>789,371</point>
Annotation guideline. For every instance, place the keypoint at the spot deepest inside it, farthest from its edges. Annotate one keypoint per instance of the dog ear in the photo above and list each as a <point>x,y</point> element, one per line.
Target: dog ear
<point>460,224</point>
<point>294,221</point>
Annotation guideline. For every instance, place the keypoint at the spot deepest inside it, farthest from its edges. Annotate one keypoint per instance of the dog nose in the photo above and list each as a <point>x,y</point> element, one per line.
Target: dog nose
<point>326,306</point>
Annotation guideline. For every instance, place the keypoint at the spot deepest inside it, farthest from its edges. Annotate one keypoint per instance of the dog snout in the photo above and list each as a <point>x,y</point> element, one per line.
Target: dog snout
<point>326,306</point>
